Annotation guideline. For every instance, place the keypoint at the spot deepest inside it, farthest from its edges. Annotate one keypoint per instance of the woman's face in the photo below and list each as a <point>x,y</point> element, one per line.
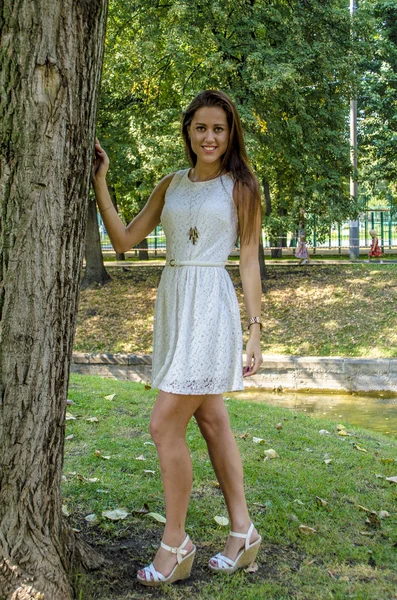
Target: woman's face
<point>209,134</point>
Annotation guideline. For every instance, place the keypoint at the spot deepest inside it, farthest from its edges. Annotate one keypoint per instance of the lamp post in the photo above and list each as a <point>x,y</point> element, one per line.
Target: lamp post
<point>354,226</point>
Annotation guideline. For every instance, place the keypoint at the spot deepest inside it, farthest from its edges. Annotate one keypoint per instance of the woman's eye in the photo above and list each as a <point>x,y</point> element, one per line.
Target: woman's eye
<point>219,129</point>
<point>200,128</point>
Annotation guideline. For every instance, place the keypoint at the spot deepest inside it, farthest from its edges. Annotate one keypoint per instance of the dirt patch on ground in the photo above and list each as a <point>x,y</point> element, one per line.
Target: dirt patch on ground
<point>135,547</point>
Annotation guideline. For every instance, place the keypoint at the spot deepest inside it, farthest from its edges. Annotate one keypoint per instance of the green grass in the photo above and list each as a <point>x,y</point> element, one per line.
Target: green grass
<point>318,310</point>
<point>345,558</point>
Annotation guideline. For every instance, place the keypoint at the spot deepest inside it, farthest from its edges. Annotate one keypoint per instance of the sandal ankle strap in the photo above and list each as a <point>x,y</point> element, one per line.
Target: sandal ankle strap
<point>245,536</point>
<point>179,551</point>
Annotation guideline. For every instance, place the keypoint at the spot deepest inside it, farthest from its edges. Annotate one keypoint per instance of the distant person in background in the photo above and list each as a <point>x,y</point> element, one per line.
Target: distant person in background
<point>302,252</point>
<point>375,251</point>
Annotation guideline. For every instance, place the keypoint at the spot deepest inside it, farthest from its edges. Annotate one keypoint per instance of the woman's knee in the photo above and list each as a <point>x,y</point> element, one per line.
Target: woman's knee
<point>157,428</point>
<point>213,426</point>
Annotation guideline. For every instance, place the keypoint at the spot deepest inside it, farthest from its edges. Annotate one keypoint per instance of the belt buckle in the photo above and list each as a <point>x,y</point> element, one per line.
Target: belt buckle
<point>172,262</point>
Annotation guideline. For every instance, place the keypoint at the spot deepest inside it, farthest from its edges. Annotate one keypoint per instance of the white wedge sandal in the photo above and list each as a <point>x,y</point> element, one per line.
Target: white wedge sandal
<point>182,569</point>
<point>245,557</point>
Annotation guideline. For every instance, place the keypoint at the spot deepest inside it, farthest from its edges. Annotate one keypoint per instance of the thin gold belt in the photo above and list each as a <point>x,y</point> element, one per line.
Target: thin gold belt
<point>193,263</point>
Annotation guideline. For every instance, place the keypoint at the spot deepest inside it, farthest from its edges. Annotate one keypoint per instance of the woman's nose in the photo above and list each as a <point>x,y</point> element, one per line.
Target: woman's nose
<point>209,137</point>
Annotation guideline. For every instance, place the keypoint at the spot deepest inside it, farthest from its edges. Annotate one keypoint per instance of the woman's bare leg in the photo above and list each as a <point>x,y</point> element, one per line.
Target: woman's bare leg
<point>213,420</point>
<point>170,417</point>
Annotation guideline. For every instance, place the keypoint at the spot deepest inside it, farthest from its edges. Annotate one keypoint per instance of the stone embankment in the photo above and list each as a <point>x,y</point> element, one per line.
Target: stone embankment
<point>288,373</point>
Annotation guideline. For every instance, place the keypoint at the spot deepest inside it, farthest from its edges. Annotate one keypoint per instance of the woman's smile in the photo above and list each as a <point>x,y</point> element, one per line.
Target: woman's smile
<point>209,134</point>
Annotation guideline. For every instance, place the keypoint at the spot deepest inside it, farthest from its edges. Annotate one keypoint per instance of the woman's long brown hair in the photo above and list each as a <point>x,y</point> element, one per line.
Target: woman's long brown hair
<point>234,161</point>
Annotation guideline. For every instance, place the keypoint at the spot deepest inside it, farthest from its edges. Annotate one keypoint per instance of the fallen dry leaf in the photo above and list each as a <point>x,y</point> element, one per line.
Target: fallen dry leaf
<point>321,501</point>
<point>140,457</point>
<point>358,447</point>
<point>221,521</point>
<point>307,530</point>
<point>392,479</point>
<point>99,454</point>
<point>92,519</point>
<point>367,510</point>
<point>257,440</point>
<point>157,517</point>
<point>110,397</point>
<point>372,520</point>
<point>142,511</point>
<point>252,568</point>
<point>269,454</point>
<point>115,515</point>
<point>92,420</point>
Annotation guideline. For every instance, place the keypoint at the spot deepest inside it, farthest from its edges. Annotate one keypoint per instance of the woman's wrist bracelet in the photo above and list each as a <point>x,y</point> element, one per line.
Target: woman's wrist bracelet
<point>254,320</point>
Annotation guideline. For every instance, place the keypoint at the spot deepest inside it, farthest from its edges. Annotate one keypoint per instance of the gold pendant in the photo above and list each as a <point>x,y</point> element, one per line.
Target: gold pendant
<point>193,235</point>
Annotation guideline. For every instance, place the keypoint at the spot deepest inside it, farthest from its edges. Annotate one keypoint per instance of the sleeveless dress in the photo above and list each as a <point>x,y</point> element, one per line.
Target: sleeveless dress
<point>197,345</point>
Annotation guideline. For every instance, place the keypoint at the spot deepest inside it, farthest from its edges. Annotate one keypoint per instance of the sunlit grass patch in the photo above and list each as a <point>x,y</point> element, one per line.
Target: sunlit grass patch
<point>325,310</point>
<point>328,482</point>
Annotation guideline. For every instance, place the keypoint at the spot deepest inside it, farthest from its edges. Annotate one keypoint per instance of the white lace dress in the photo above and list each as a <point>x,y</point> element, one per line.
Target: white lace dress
<point>197,346</point>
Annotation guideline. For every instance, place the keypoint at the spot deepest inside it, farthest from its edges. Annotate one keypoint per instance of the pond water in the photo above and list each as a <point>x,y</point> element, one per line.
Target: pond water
<point>376,412</point>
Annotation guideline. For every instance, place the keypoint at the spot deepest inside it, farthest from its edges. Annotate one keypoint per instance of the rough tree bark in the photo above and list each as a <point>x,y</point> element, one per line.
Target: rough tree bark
<point>143,252</point>
<point>50,63</point>
<point>95,271</point>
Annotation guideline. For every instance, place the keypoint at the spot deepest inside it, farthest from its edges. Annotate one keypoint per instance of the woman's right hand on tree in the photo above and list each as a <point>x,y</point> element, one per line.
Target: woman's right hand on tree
<point>100,164</point>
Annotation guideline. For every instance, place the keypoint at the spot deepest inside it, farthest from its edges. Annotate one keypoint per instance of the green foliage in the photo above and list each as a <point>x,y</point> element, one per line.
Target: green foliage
<point>377,93</point>
<point>290,66</point>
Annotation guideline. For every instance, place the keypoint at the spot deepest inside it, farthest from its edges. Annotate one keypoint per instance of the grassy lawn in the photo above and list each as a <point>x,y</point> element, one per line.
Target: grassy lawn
<point>321,310</point>
<point>326,482</point>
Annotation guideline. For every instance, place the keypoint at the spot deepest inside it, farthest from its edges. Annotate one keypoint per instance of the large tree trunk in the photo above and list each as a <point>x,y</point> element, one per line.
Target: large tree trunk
<point>95,271</point>
<point>50,63</point>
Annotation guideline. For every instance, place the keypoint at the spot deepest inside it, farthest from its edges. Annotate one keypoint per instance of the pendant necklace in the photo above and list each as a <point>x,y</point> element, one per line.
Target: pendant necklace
<point>193,231</point>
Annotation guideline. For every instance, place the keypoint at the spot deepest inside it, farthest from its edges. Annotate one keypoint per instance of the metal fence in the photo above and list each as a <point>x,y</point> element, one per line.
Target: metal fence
<point>337,241</point>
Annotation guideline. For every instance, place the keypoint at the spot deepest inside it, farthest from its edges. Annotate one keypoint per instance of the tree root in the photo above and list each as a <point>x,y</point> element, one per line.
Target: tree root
<point>15,584</point>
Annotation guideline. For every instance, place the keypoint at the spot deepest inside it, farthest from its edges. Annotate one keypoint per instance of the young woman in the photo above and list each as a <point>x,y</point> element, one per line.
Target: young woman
<point>302,251</point>
<point>375,251</point>
<point>197,348</point>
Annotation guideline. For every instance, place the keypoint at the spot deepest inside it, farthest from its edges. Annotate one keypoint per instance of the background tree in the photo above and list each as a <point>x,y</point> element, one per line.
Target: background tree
<point>50,69</point>
<point>287,65</point>
<point>94,272</point>
<point>377,102</point>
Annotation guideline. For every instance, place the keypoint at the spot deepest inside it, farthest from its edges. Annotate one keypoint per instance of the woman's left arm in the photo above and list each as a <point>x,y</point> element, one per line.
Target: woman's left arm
<point>252,288</point>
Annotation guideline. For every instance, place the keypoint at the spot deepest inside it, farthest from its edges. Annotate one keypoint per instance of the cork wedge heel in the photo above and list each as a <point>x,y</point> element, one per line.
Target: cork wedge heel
<point>182,569</point>
<point>245,557</point>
